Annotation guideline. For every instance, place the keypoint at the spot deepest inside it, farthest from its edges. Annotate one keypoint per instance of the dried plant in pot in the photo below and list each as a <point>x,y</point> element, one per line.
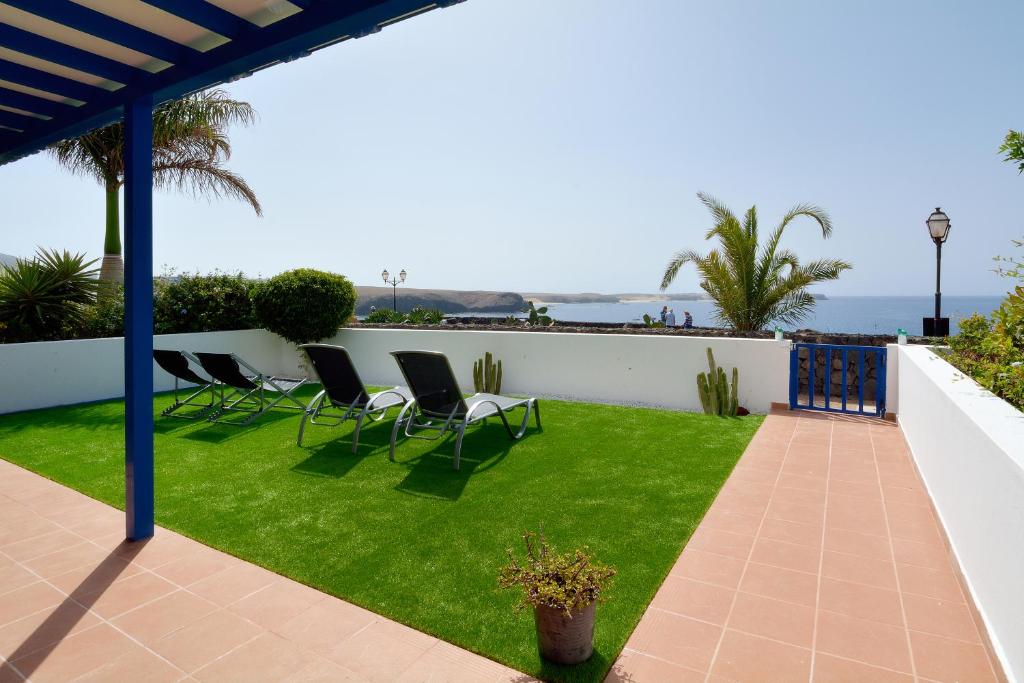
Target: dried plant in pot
<point>563,590</point>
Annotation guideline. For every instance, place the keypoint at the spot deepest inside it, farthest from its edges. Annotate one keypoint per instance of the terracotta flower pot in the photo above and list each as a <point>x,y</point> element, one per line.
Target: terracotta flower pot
<point>565,640</point>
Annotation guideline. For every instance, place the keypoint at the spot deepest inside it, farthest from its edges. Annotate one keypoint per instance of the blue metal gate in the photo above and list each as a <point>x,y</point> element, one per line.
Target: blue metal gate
<point>839,379</point>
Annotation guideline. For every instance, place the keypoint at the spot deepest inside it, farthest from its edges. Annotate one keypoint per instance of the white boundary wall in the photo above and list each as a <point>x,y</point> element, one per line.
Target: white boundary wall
<point>611,368</point>
<point>969,447</point>
<point>43,374</point>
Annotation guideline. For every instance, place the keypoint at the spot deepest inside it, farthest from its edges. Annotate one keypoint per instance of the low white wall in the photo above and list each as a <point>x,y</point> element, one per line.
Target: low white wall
<point>43,374</point>
<point>613,368</point>
<point>969,447</point>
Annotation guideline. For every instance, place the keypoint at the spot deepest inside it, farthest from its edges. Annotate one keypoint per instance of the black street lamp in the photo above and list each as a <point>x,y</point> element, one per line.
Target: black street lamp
<point>938,229</point>
<point>394,282</point>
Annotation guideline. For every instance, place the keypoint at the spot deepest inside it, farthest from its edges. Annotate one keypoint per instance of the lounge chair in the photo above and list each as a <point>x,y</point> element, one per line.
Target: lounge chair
<point>438,404</point>
<point>249,395</point>
<point>344,390</point>
<point>176,363</point>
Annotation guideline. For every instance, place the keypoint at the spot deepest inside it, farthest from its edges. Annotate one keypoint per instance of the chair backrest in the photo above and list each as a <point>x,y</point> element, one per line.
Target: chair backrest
<point>337,374</point>
<point>432,382</point>
<point>175,363</point>
<point>224,368</point>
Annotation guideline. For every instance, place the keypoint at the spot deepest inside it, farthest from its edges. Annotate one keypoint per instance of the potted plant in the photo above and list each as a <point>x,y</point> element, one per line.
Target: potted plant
<point>563,590</point>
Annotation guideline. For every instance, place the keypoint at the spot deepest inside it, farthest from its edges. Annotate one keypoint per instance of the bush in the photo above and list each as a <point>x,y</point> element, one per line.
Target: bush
<point>304,305</point>
<point>417,316</point>
<point>384,316</point>
<point>991,350</point>
<point>203,303</point>
<point>44,297</point>
<point>105,318</point>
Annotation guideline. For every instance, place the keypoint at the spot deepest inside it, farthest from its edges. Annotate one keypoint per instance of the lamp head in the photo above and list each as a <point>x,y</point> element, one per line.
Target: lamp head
<point>402,275</point>
<point>385,275</point>
<point>938,225</point>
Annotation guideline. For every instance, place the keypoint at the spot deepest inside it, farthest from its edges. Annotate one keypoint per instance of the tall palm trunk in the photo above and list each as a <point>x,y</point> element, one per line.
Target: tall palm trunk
<point>112,269</point>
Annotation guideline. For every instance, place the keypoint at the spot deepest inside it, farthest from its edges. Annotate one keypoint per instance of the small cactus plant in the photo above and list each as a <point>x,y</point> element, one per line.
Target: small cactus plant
<point>538,317</point>
<point>487,375</point>
<point>717,395</point>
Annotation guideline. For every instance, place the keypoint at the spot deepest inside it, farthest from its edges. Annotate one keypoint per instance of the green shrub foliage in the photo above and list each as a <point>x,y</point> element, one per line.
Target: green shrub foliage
<point>105,318</point>
<point>991,350</point>
<point>203,303</point>
<point>568,582</point>
<point>43,297</point>
<point>384,316</point>
<point>304,305</point>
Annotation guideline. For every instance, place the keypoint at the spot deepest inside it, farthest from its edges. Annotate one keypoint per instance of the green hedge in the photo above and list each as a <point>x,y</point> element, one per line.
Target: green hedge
<point>991,350</point>
<point>203,303</point>
<point>304,305</point>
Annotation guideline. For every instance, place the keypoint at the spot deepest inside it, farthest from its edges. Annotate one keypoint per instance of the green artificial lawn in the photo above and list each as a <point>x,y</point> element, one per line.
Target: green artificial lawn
<point>415,540</point>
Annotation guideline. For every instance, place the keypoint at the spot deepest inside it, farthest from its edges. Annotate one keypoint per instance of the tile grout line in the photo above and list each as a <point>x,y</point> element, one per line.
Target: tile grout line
<point>732,604</point>
<point>892,552</point>
<point>102,621</point>
<point>821,553</point>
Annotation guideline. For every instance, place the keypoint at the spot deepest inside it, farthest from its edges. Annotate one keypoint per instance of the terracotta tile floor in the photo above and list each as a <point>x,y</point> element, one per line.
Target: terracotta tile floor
<point>821,559</point>
<point>79,604</point>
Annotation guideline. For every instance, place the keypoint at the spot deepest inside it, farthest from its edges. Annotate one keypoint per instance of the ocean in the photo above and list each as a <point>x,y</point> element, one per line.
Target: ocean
<point>856,314</point>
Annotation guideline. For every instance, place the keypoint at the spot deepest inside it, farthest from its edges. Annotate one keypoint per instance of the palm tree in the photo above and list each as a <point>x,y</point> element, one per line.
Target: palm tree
<point>190,146</point>
<point>750,287</point>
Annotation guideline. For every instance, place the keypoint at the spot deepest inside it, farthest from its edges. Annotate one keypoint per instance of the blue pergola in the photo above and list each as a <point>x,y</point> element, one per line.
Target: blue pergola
<point>66,68</point>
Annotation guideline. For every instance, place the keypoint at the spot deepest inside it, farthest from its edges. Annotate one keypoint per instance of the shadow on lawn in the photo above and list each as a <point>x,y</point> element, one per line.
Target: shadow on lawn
<point>219,432</point>
<point>431,474</point>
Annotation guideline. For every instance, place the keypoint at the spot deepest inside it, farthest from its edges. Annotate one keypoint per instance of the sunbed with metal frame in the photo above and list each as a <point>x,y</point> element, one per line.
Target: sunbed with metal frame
<point>176,364</point>
<point>344,391</point>
<point>438,405</point>
<point>249,389</point>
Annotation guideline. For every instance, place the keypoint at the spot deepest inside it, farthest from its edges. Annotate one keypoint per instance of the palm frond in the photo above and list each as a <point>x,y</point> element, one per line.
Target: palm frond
<point>204,177</point>
<point>678,260</point>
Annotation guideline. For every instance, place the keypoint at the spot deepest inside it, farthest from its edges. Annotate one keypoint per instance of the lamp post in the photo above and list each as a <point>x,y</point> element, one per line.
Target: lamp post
<point>938,229</point>
<point>394,282</point>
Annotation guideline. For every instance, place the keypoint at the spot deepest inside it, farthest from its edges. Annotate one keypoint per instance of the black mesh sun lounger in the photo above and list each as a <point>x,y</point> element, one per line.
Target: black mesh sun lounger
<point>249,387</point>
<point>344,391</point>
<point>176,363</point>
<point>438,404</point>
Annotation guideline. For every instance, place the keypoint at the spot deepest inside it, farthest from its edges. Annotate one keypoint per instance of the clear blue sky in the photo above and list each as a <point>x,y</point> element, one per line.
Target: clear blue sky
<point>558,145</point>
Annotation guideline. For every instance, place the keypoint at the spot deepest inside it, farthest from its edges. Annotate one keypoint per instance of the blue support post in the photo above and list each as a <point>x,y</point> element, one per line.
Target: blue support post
<point>794,375</point>
<point>845,389</point>
<point>138,323</point>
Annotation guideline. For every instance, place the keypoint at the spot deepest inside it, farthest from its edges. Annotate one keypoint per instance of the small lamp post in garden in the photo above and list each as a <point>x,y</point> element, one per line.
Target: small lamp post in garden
<point>938,229</point>
<point>394,282</point>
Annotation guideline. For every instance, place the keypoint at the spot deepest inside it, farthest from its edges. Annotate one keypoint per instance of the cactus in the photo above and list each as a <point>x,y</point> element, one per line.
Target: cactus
<point>717,395</point>
<point>487,375</point>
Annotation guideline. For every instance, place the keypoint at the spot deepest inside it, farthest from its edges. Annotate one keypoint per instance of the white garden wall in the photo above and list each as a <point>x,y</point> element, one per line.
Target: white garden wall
<point>614,368</point>
<point>969,448</point>
<point>42,374</point>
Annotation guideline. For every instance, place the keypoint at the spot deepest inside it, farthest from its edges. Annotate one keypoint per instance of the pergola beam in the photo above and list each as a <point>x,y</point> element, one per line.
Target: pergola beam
<point>36,105</point>
<point>97,24</point>
<point>208,16</point>
<point>47,82</point>
<point>54,51</point>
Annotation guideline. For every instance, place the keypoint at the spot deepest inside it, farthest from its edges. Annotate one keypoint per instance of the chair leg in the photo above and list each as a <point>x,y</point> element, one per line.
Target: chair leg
<point>355,432</point>
<point>536,412</point>
<point>461,431</point>
<point>398,423</point>
<point>302,426</point>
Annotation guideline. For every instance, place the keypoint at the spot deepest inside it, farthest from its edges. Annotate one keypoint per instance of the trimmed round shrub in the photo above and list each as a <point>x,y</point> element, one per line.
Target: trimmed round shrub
<point>203,303</point>
<point>304,305</point>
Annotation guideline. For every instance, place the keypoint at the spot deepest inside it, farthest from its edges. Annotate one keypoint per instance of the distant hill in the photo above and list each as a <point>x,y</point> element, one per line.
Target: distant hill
<point>7,260</point>
<point>592,298</point>
<point>448,300</point>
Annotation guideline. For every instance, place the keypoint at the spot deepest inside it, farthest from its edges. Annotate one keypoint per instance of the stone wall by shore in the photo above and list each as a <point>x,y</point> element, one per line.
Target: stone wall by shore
<point>800,336</point>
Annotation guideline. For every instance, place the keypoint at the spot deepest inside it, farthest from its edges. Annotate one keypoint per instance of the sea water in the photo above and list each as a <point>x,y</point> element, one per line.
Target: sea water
<point>855,314</point>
